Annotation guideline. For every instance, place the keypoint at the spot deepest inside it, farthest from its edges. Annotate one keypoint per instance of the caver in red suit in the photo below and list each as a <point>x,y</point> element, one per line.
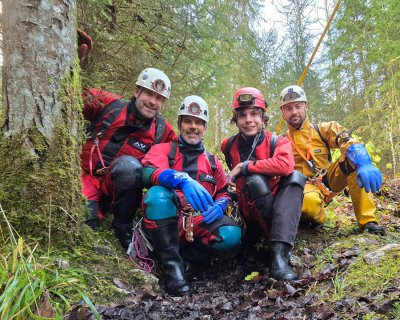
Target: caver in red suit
<point>119,135</point>
<point>269,190</point>
<point>180,174</point>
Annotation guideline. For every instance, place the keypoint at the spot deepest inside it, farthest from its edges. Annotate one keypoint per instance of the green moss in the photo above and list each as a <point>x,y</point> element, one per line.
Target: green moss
<point>394,313</point>
<point>362,279</point>
<point>101,270</point>
<point>323,258</point>
<point>40,189</point>
<point>347,242</point>
<point>71,274</point>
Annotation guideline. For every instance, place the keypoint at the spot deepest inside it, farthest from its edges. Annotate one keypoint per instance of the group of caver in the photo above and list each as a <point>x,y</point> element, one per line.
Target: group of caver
<point>277,180</point>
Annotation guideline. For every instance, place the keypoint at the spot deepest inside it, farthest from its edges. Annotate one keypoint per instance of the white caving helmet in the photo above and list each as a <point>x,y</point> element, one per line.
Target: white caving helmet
<point>155,80</point>
<point>194,106</point>
<point>291,94</point>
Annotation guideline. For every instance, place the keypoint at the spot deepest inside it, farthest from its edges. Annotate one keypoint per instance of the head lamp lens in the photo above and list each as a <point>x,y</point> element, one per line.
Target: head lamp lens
<point>158,85</point>
<point>291,95</point>
<point>245,98</point>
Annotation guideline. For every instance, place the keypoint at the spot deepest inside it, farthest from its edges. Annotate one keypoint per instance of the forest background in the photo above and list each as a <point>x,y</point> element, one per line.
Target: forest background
<point>212,48</point>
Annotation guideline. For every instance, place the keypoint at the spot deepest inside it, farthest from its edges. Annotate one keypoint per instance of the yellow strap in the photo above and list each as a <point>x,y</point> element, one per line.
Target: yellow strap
<point>318,44</point>
<point>297,148</point>
<point>309,153</point>
<point>302,77</point>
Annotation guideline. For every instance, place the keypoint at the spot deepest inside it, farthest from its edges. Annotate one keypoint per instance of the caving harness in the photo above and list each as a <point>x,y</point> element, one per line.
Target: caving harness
<point>232,209</point>
<point>188,212</point>
<point>138,250</point>
<point>113,110</point>
<point>318,176</point>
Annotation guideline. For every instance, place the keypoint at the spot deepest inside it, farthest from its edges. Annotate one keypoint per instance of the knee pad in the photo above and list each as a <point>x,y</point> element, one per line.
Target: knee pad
<point>257,186</point>
<point>231,237</point>
<point>160,203</point>
<point>296,178</point>
<point>125,172</point>
<point>313,207</point>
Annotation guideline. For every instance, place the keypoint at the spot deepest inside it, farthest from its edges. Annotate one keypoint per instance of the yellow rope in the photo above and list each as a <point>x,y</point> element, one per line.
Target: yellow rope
<point>303,75</point>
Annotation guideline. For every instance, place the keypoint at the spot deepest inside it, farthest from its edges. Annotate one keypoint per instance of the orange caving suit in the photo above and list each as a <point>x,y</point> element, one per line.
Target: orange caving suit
<point>341,173</point>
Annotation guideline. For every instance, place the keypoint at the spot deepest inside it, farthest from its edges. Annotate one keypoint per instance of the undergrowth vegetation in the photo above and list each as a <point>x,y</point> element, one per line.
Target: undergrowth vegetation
<point>34,288</point>
<point>40,281</point>
<point>35,285</point>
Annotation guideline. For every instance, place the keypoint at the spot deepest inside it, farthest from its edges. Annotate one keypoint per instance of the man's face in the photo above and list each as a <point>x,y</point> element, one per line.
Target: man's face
<point>148,102</point>
<point>192,129</point>
<point>294,113</point>
<point>249,121</point>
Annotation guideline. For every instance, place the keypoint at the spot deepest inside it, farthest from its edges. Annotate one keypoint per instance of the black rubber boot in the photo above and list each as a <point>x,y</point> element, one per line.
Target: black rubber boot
<point>280,269</point>
<point>123,232</point>
<point>166,245</point>
<point>91,218</point>
<point>196,258</point>
<point>374,228</point>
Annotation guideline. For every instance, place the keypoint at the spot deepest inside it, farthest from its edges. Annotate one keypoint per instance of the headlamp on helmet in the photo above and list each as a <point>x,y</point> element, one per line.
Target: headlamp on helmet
<point>194,106</point>
<point>246,98</point>
<point>249,97</point>
<point>155,80</point>
<point>292,94</point>
<point>158,85</point>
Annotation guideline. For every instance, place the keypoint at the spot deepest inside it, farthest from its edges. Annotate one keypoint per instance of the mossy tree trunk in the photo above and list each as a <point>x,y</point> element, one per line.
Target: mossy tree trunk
<point>41,128</point>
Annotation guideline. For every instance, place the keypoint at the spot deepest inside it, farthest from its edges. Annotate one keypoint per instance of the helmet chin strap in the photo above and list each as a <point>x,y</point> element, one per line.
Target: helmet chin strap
<point>253,147</point>
<point>140,92</point>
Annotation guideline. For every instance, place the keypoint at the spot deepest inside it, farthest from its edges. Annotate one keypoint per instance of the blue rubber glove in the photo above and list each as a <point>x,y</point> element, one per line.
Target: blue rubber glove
<point>194,192</point>
<point>215,212</point>
<point>368,176</point>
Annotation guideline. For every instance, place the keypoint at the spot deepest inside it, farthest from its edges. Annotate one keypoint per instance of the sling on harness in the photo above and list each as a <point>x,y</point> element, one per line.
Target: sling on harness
<point>228,147</point>
<point>138,250</point>
<point>318,174</point>
<point>188,212</point>
<point>233,208</point>
<point>324,141</point>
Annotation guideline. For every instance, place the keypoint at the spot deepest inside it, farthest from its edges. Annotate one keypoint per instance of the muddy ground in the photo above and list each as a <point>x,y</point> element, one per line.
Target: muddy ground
<point>337,278</point>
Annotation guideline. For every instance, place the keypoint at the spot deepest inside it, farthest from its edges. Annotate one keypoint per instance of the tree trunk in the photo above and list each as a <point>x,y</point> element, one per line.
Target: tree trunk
<point>41,136</point>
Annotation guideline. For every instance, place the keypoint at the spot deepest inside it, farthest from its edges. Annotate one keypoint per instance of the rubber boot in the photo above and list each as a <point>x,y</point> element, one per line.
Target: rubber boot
<point>374,228</point>
<point>166,245</point>
<point>123,232</point>
<point>280,269</point>
<point>195,258</point>
<point>91,215</point>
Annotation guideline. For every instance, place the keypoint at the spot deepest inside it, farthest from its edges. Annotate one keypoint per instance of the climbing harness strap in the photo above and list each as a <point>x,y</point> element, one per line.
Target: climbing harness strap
<point>138,250</point>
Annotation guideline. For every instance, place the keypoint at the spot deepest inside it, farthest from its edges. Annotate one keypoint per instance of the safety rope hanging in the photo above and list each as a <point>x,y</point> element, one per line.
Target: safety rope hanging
<point>303,75</point>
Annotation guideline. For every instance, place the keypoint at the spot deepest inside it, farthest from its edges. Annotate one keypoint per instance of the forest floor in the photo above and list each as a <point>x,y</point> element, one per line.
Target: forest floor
<point>344,274</point>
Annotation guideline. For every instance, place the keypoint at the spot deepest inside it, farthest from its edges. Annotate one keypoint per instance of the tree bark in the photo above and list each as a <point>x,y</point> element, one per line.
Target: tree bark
<point>41,128</point>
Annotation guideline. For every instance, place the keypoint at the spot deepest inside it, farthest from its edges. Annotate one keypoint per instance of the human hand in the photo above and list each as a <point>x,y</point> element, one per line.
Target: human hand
<point>85,43</point>
<point>234,173</point>
<point>215,212</point>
